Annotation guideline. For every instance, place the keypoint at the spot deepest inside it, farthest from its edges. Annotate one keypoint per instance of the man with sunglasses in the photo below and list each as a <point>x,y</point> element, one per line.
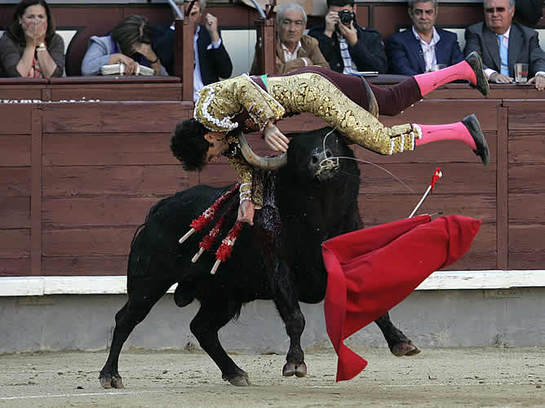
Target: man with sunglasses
<point>503,43</point>
<point>423,47</point>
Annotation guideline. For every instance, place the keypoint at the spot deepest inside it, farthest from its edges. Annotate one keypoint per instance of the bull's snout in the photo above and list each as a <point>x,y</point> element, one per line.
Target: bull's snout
<point>323,164</point>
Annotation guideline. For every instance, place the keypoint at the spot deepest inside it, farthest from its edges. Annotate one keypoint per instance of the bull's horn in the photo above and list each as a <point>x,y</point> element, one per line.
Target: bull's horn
<point>373,105</point>
<point>265,163</point>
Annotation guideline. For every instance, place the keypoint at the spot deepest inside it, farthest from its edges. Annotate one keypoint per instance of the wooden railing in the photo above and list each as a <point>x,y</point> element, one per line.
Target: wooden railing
<point>77,177</point>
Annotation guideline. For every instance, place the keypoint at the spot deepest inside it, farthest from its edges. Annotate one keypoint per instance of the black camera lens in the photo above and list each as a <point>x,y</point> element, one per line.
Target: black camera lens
<point>346,17</point>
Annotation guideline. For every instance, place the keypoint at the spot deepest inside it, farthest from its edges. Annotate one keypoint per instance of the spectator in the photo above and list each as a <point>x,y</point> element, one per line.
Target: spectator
<point>528,12</point>
<point>293,48</point>
<point>345,45</point>
<point>422,47</point>
<point>128,44</point>
<point>503,43</point>
<point>212,61</point>
<point>30,48</point>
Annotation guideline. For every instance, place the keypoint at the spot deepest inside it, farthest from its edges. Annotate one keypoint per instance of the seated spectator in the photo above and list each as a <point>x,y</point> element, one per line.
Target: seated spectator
<point>529,12</point>
<point>30,48</point>
<point>503,43</point>
<point>344,44</point>
<point>128,44</point>
<point>293,48</point>
<point>423,47</point>
<point>212,61</point>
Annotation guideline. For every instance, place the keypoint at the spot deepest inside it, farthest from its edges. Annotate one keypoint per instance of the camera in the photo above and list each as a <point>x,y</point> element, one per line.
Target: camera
<point>346,17</point>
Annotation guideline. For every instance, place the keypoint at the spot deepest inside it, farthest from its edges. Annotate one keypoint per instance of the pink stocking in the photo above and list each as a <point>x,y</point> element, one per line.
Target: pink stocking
<point>431,80</point>
<point>451,131</point>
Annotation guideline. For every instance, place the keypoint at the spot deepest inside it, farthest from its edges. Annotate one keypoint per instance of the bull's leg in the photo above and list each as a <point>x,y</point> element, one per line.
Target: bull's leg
<point>205,325</point>
<point>142,297</point>
<point>398,343</point>
<point>285,299</point>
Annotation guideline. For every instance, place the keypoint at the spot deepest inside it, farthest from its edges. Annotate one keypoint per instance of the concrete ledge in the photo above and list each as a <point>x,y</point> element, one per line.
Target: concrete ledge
<point>116,285</point>
<point>431,318</point>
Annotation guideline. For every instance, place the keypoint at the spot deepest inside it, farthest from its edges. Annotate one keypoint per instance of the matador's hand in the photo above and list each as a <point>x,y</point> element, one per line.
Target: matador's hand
<point>275,138</point>
<point>246,212</point>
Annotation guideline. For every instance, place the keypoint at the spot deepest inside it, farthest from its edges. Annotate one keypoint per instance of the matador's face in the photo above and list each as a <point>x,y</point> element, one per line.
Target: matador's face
<point>218,145</point>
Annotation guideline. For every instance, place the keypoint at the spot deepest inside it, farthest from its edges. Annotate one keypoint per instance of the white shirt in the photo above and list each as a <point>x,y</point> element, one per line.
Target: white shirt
<point>290,56</point>
<point>197,78</point>
<point>428,49</point>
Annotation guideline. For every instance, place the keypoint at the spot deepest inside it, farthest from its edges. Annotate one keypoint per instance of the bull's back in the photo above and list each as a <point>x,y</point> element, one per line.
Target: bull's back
<point>156,241</point>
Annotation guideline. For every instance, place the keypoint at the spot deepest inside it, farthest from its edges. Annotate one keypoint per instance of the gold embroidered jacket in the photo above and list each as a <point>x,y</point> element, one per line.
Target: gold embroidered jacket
<point>308,92</point>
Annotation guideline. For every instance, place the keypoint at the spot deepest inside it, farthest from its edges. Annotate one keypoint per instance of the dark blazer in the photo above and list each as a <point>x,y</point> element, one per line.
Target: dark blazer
<point>214,63</point>
<point>523,47</point>
<point>406,57</point>
<point>367,54</point>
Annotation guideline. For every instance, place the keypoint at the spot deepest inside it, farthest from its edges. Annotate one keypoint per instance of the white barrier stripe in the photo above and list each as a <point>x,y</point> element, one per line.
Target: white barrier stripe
<point>116,285</point>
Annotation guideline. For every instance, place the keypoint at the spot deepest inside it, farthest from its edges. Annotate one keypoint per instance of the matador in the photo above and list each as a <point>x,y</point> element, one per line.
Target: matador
<point>258,102</point>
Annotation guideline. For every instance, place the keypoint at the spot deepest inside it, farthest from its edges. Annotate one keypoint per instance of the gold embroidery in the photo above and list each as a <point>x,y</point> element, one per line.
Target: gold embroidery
<point>219,102</point>
<point>310,92</point>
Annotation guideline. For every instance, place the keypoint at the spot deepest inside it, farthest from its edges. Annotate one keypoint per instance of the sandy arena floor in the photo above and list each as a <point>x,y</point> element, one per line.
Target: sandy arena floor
<point>476,377</point>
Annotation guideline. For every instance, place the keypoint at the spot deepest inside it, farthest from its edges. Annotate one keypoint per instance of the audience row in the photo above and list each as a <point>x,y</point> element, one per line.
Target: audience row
<point>31,48</point>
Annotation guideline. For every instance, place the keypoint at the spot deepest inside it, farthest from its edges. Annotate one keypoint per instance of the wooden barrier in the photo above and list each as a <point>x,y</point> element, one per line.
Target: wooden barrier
<point>77,178</point>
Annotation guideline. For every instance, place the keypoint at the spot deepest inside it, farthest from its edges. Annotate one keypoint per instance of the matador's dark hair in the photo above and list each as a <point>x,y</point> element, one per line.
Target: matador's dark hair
<point>189,145</point>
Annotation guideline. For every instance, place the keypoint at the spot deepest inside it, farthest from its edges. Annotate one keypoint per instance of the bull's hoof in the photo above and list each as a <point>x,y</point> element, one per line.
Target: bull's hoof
<point>239,380</point>
<point>183,296</point>
<point>405,348</point>
<point>111,381</point>
<point>297,369</point>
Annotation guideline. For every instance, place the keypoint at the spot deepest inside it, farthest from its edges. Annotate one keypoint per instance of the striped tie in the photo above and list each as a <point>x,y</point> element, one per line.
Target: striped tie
<point>503,56</point>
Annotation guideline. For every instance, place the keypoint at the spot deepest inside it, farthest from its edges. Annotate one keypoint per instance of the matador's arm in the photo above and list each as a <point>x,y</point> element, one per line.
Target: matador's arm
<point>219,102</point>
<point>248,191</point>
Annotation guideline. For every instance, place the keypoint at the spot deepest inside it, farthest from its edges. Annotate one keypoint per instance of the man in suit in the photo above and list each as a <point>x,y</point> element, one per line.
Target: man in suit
<point>293,48</point>
<point>503,43</point>
<point>212,61</point>
<point>346,46</point>
<point>422,47</point>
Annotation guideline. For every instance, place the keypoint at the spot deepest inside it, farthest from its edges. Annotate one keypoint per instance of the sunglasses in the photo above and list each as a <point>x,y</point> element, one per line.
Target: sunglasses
<point>493,10</point>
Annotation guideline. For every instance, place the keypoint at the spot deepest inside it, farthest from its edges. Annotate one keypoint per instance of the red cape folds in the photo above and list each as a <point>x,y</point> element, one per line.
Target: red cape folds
<point>372,270</point>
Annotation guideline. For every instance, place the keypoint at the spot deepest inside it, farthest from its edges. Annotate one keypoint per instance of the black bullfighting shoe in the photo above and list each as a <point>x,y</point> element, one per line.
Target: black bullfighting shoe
<point>472,124</point>
<point>475,61</point>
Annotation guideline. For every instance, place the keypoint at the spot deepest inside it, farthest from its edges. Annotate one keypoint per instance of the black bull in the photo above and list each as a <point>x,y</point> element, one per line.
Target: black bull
<point>279,258</point>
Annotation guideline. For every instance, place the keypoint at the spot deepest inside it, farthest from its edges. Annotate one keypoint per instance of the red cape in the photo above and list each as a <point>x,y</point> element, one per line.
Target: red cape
<point>372,270</point>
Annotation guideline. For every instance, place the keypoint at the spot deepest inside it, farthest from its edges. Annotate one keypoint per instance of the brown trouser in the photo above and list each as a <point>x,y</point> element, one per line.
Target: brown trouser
<point>391,99</point>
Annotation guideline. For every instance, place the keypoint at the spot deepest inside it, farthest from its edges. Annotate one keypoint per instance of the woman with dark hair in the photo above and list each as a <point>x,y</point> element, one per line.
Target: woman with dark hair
<point>129,44</point>
<point>30,48</point>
